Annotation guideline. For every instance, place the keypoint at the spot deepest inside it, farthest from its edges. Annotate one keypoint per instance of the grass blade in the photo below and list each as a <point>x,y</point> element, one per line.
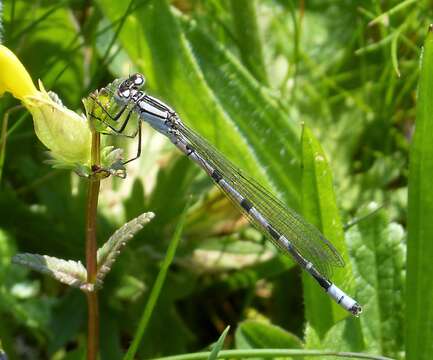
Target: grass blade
<point>419,292</point>
<point>157,287</point>
<point>219,345</point>
<point>384,18</point>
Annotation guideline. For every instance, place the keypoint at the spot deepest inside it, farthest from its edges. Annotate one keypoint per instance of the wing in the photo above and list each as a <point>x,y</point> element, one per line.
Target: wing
<point>306,239</point>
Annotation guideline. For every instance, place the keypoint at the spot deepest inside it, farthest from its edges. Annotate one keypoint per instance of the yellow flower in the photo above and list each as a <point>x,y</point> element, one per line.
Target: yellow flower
<point>14,78</point>
<point>61,130</point>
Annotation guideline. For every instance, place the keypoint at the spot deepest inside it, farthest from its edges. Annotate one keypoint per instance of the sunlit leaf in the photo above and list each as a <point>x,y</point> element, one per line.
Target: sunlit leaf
<point>108,253</point>
<point>69,272</point>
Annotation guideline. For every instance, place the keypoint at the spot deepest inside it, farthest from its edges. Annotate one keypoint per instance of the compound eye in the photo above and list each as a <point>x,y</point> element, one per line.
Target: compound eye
<point>125,93</point>
<point>138,79</point>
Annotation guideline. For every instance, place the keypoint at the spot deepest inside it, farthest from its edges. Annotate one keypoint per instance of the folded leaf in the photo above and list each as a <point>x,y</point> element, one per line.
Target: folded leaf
<point>108,253</point>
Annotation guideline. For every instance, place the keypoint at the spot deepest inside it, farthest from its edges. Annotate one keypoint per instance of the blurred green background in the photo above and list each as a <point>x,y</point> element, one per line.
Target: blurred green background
<point>246,75</point>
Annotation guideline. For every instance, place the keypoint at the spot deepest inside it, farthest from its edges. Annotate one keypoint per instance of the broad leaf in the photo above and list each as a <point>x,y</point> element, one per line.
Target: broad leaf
<point>377,249</point>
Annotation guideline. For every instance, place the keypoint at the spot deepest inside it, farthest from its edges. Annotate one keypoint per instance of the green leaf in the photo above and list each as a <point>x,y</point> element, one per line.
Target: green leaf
<point>253,334</point>
<point>219,345</point>
<point>344,336</point>
<point>320,208</point>
<point>69,272</point>
<point>419,292</point>
<point>108,253</point>
<point>248,277</point>
<point>248,38</point>
<point>377,247</point>
<point>67,319</point>
<point>157,287</point>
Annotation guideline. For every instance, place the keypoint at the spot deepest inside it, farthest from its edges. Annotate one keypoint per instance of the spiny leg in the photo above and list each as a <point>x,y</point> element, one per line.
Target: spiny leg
<point>139,144</point>
<point>115,118</point>
<point>115,131</point>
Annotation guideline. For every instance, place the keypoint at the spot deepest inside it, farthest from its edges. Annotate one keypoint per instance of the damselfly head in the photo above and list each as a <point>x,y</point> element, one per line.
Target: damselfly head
<point>137,79</point>
<point>130,86</point>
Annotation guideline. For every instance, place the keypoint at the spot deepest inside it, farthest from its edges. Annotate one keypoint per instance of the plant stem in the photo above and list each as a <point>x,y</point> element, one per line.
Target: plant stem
<point>273,353</point>
<point>91,251</point>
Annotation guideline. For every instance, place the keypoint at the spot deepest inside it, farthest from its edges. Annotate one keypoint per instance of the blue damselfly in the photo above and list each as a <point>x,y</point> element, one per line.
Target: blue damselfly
<point>283,226</point>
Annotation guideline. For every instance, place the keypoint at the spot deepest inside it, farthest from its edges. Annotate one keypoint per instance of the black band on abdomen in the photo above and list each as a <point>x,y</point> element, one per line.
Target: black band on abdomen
<point>246,204</point>
<point>216,175</point>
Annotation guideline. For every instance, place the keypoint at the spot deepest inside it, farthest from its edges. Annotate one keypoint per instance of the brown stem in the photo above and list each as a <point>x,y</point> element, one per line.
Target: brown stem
<point>91,250</point>
<point>92,325</point>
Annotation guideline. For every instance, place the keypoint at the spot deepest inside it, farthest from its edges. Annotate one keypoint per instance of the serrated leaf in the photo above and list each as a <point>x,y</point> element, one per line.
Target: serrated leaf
<point>108,253</point>
<point>218,345</point>
<point>253,334</point>
<point>378,252</point>
<point>69,272</point>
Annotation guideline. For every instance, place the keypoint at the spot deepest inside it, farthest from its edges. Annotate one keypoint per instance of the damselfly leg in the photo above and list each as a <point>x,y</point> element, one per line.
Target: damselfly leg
<point>139,145</point>
<point>114,118</point>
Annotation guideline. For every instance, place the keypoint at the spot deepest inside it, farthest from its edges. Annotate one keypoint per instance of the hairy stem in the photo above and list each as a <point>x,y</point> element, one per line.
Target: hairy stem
<point>91,250</point>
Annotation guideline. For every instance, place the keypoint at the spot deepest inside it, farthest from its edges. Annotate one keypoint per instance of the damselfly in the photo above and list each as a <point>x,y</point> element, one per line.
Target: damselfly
<point>283,226</point>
